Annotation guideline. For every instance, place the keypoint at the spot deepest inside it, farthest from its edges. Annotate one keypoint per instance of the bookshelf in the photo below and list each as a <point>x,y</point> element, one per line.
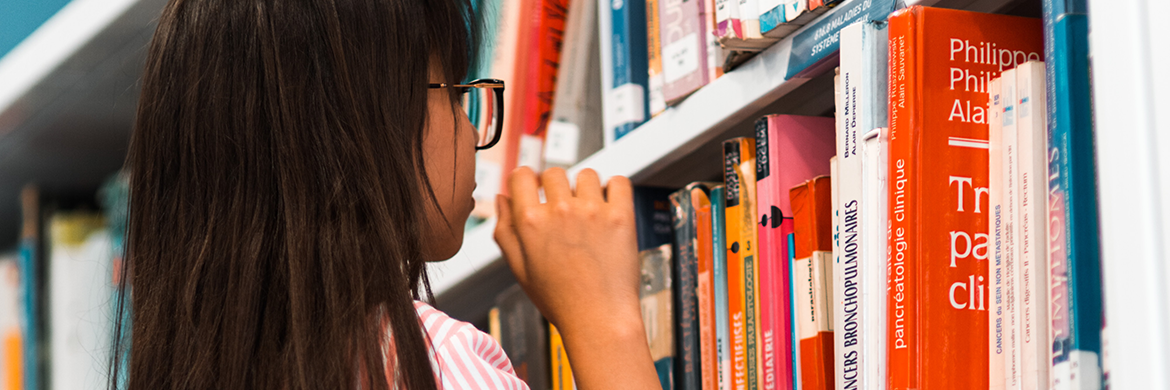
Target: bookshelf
<point>677,146</point>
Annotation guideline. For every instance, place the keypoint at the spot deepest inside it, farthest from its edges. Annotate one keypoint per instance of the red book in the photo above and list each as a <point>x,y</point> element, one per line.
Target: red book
<point>940,63</point>
<point>539,53</point>
<point>812,209</point>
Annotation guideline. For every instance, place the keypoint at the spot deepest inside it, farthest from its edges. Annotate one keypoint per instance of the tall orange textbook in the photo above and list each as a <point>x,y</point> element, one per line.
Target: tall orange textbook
<point>940,62</point>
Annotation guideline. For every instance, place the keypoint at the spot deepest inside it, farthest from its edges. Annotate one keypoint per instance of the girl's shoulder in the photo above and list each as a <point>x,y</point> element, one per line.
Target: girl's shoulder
<point>465,357</point>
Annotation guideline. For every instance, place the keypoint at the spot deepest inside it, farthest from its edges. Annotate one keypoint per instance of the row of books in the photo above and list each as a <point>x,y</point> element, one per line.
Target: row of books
<point>939,232</point>
<point>582,74</point>
<point>57,292</point>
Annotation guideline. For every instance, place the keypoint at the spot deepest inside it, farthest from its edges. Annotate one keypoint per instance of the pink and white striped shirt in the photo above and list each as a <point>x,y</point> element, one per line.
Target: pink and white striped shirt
<point>464,357</point>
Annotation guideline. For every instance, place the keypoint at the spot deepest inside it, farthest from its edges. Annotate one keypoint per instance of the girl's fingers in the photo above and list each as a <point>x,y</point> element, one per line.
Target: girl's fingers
<point>619,191</point>
<point>523,188</point>
<point>505,235</point>
<point>589,185</point>
<point>555,184</point>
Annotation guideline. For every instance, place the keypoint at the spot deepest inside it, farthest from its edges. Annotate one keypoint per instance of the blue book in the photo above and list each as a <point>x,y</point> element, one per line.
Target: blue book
<point>652,217</point>
<point>719,264</point>
<point>1073,246</point>
<point>624,67</point>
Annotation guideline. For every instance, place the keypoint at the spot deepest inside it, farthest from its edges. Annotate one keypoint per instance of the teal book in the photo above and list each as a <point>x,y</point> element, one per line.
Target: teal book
<point>1073,237</point>
<point>722,327</point>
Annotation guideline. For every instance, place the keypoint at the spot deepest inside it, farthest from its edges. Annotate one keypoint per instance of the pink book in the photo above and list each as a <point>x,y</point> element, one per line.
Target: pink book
<point>683,31</point>
<point>789,151</point>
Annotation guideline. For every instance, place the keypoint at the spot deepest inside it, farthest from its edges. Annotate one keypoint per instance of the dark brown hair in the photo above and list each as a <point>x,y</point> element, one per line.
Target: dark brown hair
<point>276,204</point>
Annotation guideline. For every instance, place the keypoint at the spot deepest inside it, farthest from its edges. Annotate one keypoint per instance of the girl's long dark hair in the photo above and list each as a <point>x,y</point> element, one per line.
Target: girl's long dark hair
<point>277,188</point>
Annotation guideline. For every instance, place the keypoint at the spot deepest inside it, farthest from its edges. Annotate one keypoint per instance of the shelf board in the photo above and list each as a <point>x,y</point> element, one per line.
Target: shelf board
<point>674,135</point>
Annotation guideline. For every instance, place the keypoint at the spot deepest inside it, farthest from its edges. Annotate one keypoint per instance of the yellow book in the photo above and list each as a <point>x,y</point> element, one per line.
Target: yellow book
<point>562,373</point>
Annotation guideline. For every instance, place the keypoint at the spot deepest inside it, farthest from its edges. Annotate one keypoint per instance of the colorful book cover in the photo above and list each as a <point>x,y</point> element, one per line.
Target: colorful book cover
<point>657,310</point>
<point>996,272</point>
<point>1032,211</point>
<point>654,55</point>
<point>812,220</point>
<point>1010,253</point>
<point>562,372</point>
<point>652,216</point>
<point>624,66</point>
<point>745,172</point>
<point>1073,236</point>
<point>938,198</point>
<point>685,65</point>
<point>723,333</point>
<point>705,292</point>
<point>524,337</point>
<point>863,93</point>
<point>875,181</point>
<point>738,276</point>
<point>685,276</point>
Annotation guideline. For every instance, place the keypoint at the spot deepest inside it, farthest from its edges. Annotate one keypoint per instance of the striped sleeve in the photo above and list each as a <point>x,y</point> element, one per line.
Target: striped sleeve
<point>465,357</point>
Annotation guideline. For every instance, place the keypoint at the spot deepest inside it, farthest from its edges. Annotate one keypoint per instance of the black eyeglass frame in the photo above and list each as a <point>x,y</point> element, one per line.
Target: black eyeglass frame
<point>497,86</point>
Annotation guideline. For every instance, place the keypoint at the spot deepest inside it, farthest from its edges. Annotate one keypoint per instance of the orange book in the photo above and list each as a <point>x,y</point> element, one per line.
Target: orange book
<point>743,297</point>
<point>812,211</point>
<point>940,63</point>
<point>708,355</point>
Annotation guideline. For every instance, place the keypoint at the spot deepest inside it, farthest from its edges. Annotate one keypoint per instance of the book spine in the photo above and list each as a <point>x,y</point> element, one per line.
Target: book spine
<point>705,294</point>
<point>1011,201</point>
<point>997,357</point>
<point>654,55</point>
<point>902,326</point>
<point>686,262</point>
<point>774,335</point>
<point>786,230</point>
<point>873,266</point>
<point>625,99</point>
<point>574,129</point>
<point>715,54</point>
<point>771,14</point>
<point>746,170</point>
<point>851,235</point>
<point>1073,238</point>
<point>562,372</point>
<point>684,49</point>
<point>723,333</point>
<point>1033,149</point>
<point>658,310</point>
<point>811,205</point>
<point>749,11</point>
<point>727,19</point>
<point>736,278</point>
<point>547,39</point>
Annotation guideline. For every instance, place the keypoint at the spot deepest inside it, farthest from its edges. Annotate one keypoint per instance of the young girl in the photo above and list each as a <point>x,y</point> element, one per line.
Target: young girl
<point>294,165</point>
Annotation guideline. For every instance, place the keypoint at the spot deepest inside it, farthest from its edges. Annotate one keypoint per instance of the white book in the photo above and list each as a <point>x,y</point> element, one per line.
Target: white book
<point>862,108</point>
<point>749,16</point>
<point>1012,358</point>
<point>575,129</point>
<point>874,181</point>
<point>996,326</point>
<point>1032,226</point>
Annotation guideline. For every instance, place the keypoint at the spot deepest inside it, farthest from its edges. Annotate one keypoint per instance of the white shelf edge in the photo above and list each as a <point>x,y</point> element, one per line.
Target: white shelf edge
<point>51,44</point>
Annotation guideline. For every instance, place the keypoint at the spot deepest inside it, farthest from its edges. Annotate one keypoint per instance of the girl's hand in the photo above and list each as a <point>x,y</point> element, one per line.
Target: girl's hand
<point>576,257</point>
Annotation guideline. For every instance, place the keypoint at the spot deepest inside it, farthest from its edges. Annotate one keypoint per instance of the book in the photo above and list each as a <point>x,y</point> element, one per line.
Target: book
<point>657,310</point>
<point>79,253</point>
<point>723,333</point>
<point>727,22</point>
<point>502,21</point>
<point>575,129</point>
<point>685,276</point>
<point>779,18</point>
<point>863,91</point>
<point>1010,250</point>
<point>684,36</point>
<point>789,150</point>
<point>11,342</point>
<point>813,270</point>
<point>940,61</point>
<point>716,54</point>
<point>1032,210</point>
<point>653,216</point>
<point>1073,235</point>
<point>749,13</point>
<point>562,371</point>
<point>494,324</point>
<point>705,287</point>
<point>539,55</point>
<point>29,262</point>
<point>741,277</point>
<point>875,182</point>
<point>996,272</point>
<point>624,67</point>
<point>657,80</point>
<point>524,337</point>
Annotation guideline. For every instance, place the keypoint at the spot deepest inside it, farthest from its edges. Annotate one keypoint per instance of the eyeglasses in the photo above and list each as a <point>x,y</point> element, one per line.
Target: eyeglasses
<point>483,101</point>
